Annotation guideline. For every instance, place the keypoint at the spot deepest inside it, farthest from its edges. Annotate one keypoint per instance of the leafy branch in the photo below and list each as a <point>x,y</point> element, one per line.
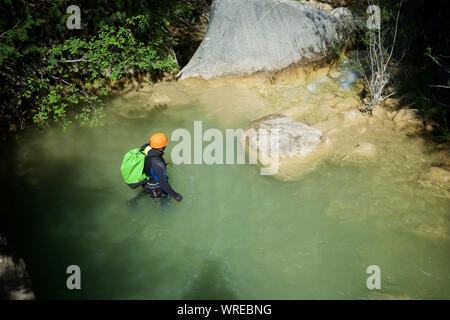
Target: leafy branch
<point>69,80</point>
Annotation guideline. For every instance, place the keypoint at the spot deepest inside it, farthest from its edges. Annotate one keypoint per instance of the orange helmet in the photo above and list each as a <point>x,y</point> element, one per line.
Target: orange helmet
<point>158,140</point>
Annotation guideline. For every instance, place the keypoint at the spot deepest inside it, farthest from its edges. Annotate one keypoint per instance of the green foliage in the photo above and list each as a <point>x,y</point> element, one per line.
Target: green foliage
<point>78,69</point>
<point>56,74</point>
<point>335,52</point>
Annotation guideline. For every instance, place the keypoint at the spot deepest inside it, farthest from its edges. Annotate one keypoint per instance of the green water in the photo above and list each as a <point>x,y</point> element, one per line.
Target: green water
<point>236,234</point>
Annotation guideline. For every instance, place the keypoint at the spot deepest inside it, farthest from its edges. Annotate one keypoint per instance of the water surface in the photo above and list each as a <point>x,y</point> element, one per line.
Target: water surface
<point>236,234</point>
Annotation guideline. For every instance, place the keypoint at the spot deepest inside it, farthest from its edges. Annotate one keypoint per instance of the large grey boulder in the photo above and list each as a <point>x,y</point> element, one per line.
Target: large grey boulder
<point>290,146</point>
<point>248,36</point>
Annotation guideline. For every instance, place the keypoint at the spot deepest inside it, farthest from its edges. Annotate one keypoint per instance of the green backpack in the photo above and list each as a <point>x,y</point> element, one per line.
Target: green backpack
<point>133,168</point>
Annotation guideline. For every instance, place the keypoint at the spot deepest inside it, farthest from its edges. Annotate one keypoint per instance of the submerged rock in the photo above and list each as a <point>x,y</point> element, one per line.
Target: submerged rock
<point>346,104</point>
<point>298,111</point>
<point>444,153</point>
<point>395,103</point>
<point>365,150</point>
<point>248,36</point>
<point>439,174</point>
<point>409,121</point>
<point>360,154</point>
<point>324,112</point>
<point>380,112</point>
<point>160,98</point>
<point>352,117</point>
<point>407,114</point>
<point>330,126</point>
<point>299,145</point>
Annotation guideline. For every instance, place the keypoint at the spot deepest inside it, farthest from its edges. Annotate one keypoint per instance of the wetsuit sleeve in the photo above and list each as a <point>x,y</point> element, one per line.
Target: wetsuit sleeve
<point>160,170</point>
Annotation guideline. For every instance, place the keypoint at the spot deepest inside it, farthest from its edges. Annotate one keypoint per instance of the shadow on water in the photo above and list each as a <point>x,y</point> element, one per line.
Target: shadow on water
<point>38,197</point>
<point>27,208</point>
<point>211,284</point>
<point>52,218</point>
<point>36,201</point>
<point>145,197</point>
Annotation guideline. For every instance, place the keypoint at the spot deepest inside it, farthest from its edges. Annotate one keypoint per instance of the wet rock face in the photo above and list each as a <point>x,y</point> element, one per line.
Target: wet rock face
<point>380,113</point>
<point>15,283</point>
<point>409,121</point>
<point>298,144</point>
<point>248,36</point>
<point>439,175</point>
<point>407,114</point>
<point>444,153</point>
<point>404,101</point>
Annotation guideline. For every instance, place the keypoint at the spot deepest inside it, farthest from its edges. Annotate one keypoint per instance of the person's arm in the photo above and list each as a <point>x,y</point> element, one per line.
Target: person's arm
<point>159,170</point>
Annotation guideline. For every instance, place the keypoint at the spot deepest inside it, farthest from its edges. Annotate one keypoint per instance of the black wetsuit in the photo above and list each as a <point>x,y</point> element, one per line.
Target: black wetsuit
<point>155,169</point>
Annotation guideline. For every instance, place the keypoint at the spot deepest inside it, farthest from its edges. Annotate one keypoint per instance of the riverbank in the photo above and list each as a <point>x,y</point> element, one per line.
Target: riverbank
<point>324,98</point>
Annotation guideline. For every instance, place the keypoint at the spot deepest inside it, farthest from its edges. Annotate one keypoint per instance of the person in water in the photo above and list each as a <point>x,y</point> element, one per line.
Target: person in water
<point>155,168</point>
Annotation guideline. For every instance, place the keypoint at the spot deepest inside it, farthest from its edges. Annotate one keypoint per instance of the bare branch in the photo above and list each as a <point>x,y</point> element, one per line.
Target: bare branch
<point>395,36</point>
<point>73,61</point>
<point>439,86</point>
<point>1,35</point>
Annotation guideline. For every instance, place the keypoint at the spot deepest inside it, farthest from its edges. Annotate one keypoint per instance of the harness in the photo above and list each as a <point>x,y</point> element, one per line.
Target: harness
<point>149,184</point>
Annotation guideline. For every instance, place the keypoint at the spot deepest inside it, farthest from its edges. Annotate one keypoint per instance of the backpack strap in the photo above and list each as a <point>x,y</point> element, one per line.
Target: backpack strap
<point>147,149</point>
